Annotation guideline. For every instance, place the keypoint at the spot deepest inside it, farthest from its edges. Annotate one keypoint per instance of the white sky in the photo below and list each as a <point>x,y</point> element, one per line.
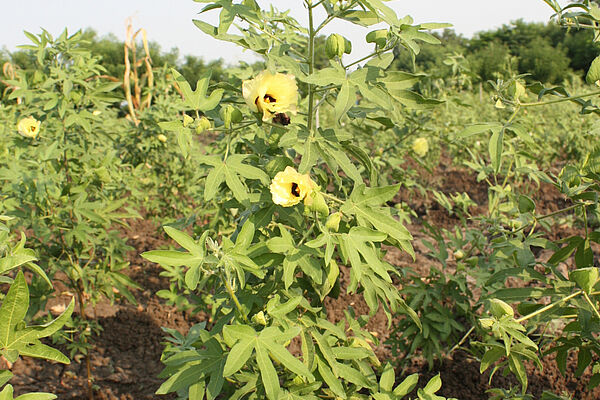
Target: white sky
<point>169,22</point>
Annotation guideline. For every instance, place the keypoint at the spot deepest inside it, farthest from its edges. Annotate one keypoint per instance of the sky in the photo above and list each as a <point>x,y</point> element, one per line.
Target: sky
<point>169,22</point>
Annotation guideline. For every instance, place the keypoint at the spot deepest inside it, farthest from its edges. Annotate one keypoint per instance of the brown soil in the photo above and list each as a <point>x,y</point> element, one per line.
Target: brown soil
<point>126,359</point>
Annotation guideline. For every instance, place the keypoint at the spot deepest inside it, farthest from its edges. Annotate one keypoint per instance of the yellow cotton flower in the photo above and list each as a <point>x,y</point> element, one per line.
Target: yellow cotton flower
<point>28,127</point>
<point>162,138</point>
<point>271,94</point>
<point>289,187</point>
<point>420,147</point>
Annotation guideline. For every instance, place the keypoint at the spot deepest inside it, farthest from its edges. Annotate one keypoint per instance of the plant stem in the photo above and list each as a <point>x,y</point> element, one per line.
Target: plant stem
<point>376,53</point>
<point>552,214</point>
<point>331,197</point>
<point>234,298</point>
<point>587,298</point>
<point>79,288</point>
<point>461,341</point>
<point>562,99</point>
<point>311,64</point>
<point>549,306</point>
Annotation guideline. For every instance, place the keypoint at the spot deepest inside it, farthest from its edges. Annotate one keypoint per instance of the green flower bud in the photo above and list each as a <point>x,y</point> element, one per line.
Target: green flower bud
<point>459,254</point>
<point>202,125</point>
<point>498,308</point>
<point>315,201</point>
<point>333,222</point>
<point>335,45</point>
<point>187,120</point>
<point>231,115</point>
<point>347,46</point>
<point>259,318</point>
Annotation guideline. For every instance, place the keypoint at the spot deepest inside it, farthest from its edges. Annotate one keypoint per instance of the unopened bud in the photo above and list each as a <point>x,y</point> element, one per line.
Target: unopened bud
<point>333,222</point>
<point>315,201</point>
<point>187,120</point>
<point>459,254</point>
<point>259,318</point>
<point>162,138</point>
<point>335,45</point>
<point>231,115</point>
<point>202,125</point>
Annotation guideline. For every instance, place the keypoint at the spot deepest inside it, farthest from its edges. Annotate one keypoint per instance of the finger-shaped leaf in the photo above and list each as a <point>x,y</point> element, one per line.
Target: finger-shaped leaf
<point>268,374</point>
<point>13,309</point>
<point>238,356</point>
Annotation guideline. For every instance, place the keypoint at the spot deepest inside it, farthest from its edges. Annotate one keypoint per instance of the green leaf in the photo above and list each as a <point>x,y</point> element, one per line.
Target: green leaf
<point>268,374</point>
<point>407,385</point>
<point>184,240</point>
<point>585,278</point>
<point>326,76</point>
<point>238,356</point>
<point>5,376</point>
<point>345,99</point>
<point>516,366</point>
<point>282,355</point>
<point>433,385</point>
<point>173,258</point>
<point>388,377</point>
<point>13,309</point>
<point>309,157</point>
<point>593,74</point>
<point>197,99</point>
<point>526,205</point>
<point>496,147</point>
<point>237,187</point>
<point>479,128</point>
<point>362,18</point>
<point>356,377</point>
<point>215,177</point>
<point>334,383</point>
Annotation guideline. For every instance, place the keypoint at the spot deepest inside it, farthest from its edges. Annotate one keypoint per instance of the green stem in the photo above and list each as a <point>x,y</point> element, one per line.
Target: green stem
<point>331,197</point>
<point>461,341</point>
<point>563,99</point>
<point>376,53</point>
<point>536,219</point>
<point>234,298</point>
<point>311,65</point>
<point>308,232</point>
<point>587,298</point>
<point>549,306</point>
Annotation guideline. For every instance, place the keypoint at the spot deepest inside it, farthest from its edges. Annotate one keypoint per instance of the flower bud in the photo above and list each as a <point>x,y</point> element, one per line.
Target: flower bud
<point>315,201</point>
<point>187,120</point>
<point>259,318</point>
<point>333,222</point>
<point>335,45</point>
<point>459,254</point>
<point>347,46</point>
<point>230,115</point>
<point>162,138</point>
<point>202,125</point>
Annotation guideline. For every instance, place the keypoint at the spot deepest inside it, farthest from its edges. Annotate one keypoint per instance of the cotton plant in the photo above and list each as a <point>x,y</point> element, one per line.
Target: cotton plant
<point>296,201</point>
